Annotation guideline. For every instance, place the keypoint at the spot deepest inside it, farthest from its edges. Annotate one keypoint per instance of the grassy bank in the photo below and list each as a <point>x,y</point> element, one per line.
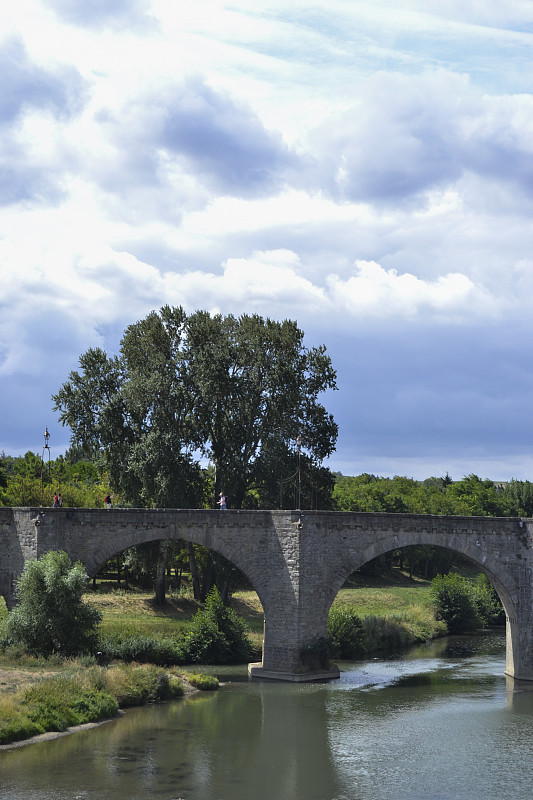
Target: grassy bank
<point>396,612</point>
<point>56,696</point>
<point>398,603</point>
<point>39,695</point>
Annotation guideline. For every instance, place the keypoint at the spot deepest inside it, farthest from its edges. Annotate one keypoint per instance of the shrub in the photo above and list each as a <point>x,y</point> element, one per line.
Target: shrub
<point>216,635</point>
<point>147,649</point>
<point>50,616</point>
<point>142,684</point>
<point>83,695</point>
<point>455,603</point>
<point>386,634</point>
<point>58,703</point>
<point>345,634</point>
<point>488,603</point>
<point>14,725</point>
<point>206,683</point>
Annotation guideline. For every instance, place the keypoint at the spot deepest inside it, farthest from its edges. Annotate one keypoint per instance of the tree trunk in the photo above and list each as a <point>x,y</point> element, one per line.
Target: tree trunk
<point>208,577</point>
<point>160,581</point>
<point>194,573</point>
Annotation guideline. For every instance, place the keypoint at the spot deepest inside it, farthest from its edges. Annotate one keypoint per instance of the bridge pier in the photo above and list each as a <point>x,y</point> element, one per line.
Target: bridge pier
<point>293,653</point>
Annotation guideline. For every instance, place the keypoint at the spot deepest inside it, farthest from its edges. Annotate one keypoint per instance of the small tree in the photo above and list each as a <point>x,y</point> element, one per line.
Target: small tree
<point>488,602</point>
<point>216,635</point>
<point>50,616</point>
<point>455,602</point>
<point>346,637</point>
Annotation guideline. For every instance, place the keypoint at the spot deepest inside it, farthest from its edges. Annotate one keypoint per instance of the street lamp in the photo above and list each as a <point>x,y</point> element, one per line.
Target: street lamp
<point>47,448</point>
<point>298,447</point>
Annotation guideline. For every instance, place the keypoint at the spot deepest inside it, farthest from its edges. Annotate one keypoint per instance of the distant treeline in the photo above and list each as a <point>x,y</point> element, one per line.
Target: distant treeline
<point>28,480</point>
<point>470,496</point>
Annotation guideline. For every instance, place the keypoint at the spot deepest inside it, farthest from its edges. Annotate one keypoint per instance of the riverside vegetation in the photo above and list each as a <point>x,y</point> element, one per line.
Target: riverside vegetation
<point>141,649</point>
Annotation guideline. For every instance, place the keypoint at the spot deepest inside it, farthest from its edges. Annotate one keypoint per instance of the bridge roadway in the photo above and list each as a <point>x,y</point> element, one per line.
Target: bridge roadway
<point>296,562</point>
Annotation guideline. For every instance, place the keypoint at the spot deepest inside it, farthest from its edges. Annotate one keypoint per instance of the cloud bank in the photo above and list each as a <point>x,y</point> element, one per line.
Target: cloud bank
<point>366,170</point>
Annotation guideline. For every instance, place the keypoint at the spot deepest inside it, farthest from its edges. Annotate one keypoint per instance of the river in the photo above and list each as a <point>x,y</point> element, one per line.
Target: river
<point>441,722</point>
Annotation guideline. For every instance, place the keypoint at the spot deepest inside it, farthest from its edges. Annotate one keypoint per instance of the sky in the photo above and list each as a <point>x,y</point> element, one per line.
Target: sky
<point>364,168</point>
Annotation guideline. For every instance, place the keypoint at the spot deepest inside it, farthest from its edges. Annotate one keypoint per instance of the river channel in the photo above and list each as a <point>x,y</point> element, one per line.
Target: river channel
<point>439,723</point>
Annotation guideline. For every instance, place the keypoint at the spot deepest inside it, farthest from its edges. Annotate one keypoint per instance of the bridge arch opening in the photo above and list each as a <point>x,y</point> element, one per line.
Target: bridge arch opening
<point>394,567</point>
<point>182,602</point>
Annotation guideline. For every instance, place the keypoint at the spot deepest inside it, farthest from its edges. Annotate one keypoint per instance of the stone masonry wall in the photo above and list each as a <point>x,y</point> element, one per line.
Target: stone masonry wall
<point>296,569</point>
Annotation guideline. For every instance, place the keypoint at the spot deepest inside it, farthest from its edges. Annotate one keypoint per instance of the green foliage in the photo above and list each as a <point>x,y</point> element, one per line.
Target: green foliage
<point>520,497</point>
<point>488,602</point>
<point>236,390</point>
<point>216,635</point>
<point>143,649</point>
<point>50,616</point>
<point>84,695</point>
<point>59,703</point>
<point>456,603</point>
<point>16,725</point>
<point>391,634</point>
<point>206,683</point>
<point>31,482</point>
<point>345,633</point>
<point>133,686</point>
<point>470,496</point>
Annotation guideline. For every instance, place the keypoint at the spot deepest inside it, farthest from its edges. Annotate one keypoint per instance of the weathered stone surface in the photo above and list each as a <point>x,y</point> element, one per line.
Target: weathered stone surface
<point>296,564</point>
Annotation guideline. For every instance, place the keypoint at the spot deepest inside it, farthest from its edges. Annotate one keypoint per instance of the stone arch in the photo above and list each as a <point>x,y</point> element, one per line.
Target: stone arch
<point>113,547</point>
<point>498,573</point>
<point>296,561</point>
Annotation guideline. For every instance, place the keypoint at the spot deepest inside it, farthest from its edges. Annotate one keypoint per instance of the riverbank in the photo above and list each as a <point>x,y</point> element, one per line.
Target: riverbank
<point>395,613</point>
<point>77,693</point>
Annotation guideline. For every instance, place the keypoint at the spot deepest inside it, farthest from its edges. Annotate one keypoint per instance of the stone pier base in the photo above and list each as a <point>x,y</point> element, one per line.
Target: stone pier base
<point>258,672</point>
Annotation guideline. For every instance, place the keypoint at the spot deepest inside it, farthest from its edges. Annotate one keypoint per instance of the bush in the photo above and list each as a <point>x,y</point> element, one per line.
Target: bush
<point>345,634</point>
<point>455,602</point>
<point>50,616</point>
<point>85,695</point>
<point>145,649</point>
<point>58,703</point>
<point>387,634</point>
<point>216,635</point>
<point>488,603</point>
<point>15,725</point>
<point>206,683</point>
<point>133,686</point>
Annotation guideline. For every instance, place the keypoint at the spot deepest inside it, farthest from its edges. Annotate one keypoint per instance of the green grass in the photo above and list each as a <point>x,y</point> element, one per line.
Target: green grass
<point>381,598</point>
<point>397,599</point>
<point>83,693</point>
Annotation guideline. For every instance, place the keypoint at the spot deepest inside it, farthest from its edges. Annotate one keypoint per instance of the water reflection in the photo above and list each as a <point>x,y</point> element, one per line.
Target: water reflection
<point>442,722</point>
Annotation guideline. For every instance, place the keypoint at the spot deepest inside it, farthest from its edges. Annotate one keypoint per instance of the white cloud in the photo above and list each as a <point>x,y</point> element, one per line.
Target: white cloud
<point>384,293</point>
<point>365,168</point>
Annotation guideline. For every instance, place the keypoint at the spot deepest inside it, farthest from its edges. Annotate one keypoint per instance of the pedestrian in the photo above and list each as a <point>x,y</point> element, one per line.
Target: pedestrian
<point>107,501</point>
<point>56,500</point>
<point>60,500</point>
<point>222,501</point>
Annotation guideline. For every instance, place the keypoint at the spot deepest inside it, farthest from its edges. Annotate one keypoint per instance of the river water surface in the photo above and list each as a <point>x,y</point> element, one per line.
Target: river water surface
<point>441,722</point>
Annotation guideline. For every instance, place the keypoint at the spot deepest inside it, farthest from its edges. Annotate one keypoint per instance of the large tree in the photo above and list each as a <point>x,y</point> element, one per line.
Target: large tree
<point>256,389</point>
<point>237,391</point>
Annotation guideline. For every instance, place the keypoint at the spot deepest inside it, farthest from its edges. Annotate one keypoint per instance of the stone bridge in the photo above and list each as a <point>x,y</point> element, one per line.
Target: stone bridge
<point>296,562</point>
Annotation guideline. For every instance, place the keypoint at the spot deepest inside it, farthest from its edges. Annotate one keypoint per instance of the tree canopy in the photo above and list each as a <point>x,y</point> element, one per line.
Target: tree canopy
<point>237,391</point>
<point>470,496</point>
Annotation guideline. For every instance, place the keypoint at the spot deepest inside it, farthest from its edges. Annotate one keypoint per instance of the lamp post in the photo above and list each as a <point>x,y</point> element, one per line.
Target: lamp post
<point>47,448</point>
<point>298,448</point>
